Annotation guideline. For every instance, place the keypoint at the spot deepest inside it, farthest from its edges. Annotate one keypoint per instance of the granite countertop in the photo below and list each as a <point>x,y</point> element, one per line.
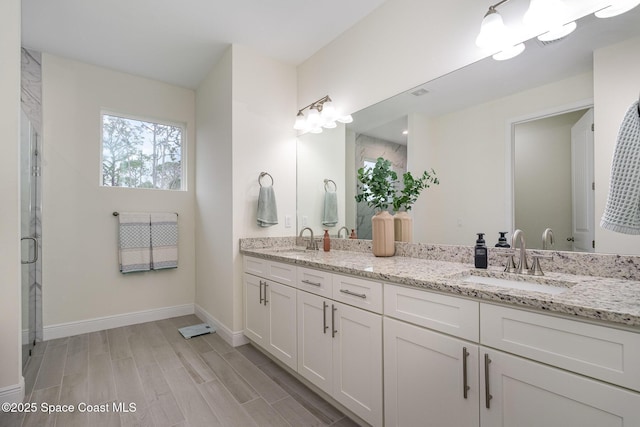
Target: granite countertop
<point>587,297</point>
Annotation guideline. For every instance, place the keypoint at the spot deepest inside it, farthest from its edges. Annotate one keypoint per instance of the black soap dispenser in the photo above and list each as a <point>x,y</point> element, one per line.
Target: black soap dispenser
<point>481,254</point>
<point>502,240</point>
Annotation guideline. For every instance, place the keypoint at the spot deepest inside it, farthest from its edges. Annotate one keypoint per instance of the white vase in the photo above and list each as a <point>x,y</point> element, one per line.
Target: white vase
<point>403,227</point>
<point>382,234</point>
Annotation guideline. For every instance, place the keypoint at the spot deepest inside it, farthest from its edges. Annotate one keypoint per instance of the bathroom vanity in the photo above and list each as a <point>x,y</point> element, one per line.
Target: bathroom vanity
<point>406,341</point>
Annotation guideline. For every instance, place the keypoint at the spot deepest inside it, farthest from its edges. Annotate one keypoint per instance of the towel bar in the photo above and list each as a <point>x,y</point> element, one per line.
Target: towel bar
<point>116,213</point>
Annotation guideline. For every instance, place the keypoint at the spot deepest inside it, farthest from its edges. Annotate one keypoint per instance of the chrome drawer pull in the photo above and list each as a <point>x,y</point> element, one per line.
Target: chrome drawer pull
<point>465,386</point>
<point>487,395</point>
<point>348,292</point>
<point>333,321</point>
<point>308,282</point>
<point>261,299</point>
<point>324,317</point>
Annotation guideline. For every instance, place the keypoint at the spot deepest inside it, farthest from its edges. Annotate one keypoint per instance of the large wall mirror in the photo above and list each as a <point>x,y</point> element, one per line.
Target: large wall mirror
<point>499,136</point>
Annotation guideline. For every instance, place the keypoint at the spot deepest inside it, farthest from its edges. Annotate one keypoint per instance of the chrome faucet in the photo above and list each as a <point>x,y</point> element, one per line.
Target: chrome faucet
<point>346,232</point>
<point>547,236</point>
<point>311,243</point>
<point>518,237</point>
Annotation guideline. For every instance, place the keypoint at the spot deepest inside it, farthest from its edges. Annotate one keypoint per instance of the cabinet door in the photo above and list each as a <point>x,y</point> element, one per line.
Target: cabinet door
<point>314,340</point>
<point>255,313</point>
<point>357,361</point>
<point>529,394</point>
<point>425,378</point>
<point>281,308</point>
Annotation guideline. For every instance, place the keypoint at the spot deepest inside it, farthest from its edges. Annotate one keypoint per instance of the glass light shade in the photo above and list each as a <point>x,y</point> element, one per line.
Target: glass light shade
<point>509,53</point>
<point>547,15</point>
<point>313,117</point>
<point>492,30</point>
<point>558,33</point>
<point>301,122</point>
<point>328,111</point>
<point>329,125</point>
<point>345,119</point>
<point>617,8</point>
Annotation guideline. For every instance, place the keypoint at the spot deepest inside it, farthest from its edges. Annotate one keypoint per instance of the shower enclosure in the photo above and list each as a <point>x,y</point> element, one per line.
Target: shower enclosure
<point>30,202</point>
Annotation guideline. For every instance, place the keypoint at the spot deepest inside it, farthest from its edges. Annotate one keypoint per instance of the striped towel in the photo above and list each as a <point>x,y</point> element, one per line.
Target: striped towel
<point>164,240</point>
<point>135,242</point>
<point>622,212</point>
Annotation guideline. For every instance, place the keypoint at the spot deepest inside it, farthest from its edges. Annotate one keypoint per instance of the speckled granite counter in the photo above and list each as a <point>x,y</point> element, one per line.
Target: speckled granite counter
<point>614,300</point>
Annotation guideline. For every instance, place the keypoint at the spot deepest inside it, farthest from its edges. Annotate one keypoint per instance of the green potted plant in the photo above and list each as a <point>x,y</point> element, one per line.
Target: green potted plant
<point>376,187</point>
<point>404,199</point>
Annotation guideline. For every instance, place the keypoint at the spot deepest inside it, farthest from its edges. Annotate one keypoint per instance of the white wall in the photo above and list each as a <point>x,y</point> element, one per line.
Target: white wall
<point>470,161</point>
<point>81,279</point>
<point>245,108</point>
<point>616,86</point>
<point>10,333</point>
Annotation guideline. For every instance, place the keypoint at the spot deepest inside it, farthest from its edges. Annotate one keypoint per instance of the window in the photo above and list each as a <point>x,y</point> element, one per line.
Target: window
<point>141,154</point>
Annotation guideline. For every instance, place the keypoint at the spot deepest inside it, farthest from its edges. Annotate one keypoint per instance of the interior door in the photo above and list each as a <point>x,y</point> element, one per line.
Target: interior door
<point>582,184</point>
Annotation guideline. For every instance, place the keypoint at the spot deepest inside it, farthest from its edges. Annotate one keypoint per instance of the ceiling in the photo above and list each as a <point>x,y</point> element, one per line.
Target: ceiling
<point>178,42</point>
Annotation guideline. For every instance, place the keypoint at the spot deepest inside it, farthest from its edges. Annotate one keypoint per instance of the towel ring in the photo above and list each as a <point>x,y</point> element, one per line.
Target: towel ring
<point>330,181</point>
<point>262,175</point>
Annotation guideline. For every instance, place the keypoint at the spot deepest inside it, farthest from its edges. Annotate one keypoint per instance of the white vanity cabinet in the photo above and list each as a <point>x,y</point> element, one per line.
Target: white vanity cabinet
<point>517,392</point>
<point>270,309</point>
<point>522,368</point>
<point>520,391</point>
<point>430,379</point>
<point>340,346</point>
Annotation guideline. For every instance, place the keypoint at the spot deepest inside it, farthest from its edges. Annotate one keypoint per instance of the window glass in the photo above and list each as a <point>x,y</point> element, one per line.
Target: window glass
<point>141,154</point>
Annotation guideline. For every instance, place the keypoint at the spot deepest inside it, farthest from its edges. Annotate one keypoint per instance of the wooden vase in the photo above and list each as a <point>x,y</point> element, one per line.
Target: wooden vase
<point>382,231</point>
<point>403,227</point>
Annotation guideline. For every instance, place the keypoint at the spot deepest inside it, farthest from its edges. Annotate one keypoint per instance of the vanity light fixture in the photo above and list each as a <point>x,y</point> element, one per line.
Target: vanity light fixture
<point>617,8</point>
<point>320,114</point>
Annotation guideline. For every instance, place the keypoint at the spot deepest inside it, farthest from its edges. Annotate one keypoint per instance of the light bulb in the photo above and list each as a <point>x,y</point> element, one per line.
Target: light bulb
<point>548,18</point>
<point>558,32</point>
<point>617,8</point>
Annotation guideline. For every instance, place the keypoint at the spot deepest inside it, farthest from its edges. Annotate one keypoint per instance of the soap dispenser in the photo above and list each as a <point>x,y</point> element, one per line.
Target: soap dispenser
<point>502,240</point>
<point>326,241</point>
<point>481,253</point>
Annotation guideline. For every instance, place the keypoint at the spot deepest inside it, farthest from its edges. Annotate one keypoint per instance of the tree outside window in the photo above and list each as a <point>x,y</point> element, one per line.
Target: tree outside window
<point>141,154</point>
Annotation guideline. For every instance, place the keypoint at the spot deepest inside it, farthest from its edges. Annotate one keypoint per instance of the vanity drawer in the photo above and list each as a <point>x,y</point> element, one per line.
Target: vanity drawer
<point>454,316</point>
<point>256,266</point>
<point>315,281</point>
<point>600,352</point>
<point>358,292</point>
<point>282,273</point>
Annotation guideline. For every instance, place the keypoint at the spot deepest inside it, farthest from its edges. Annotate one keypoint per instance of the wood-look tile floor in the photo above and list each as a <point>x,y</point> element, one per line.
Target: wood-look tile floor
<point>172,382</point>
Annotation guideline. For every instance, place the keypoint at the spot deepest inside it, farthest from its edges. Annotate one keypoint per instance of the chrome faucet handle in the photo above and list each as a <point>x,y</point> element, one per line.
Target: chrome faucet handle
<point>510,267</point>
<point>536,268</point>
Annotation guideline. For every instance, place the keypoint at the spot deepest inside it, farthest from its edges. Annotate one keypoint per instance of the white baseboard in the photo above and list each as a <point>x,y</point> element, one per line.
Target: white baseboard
<point>62,330</point>
<point>233,338</point>
<point>13,393</point>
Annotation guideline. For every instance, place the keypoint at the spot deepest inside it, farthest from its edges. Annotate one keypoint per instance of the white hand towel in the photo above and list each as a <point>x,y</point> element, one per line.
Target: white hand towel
<point>622,212</point>
<point>330,211</point>
<point>267,210</point>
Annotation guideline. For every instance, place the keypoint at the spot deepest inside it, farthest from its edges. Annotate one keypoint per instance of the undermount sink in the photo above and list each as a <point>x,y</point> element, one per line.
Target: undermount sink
<point>292,251</point>
<point>520,282</point>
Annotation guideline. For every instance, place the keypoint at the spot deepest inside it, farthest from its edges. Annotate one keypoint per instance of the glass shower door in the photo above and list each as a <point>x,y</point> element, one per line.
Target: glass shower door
<point>30,232</point>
